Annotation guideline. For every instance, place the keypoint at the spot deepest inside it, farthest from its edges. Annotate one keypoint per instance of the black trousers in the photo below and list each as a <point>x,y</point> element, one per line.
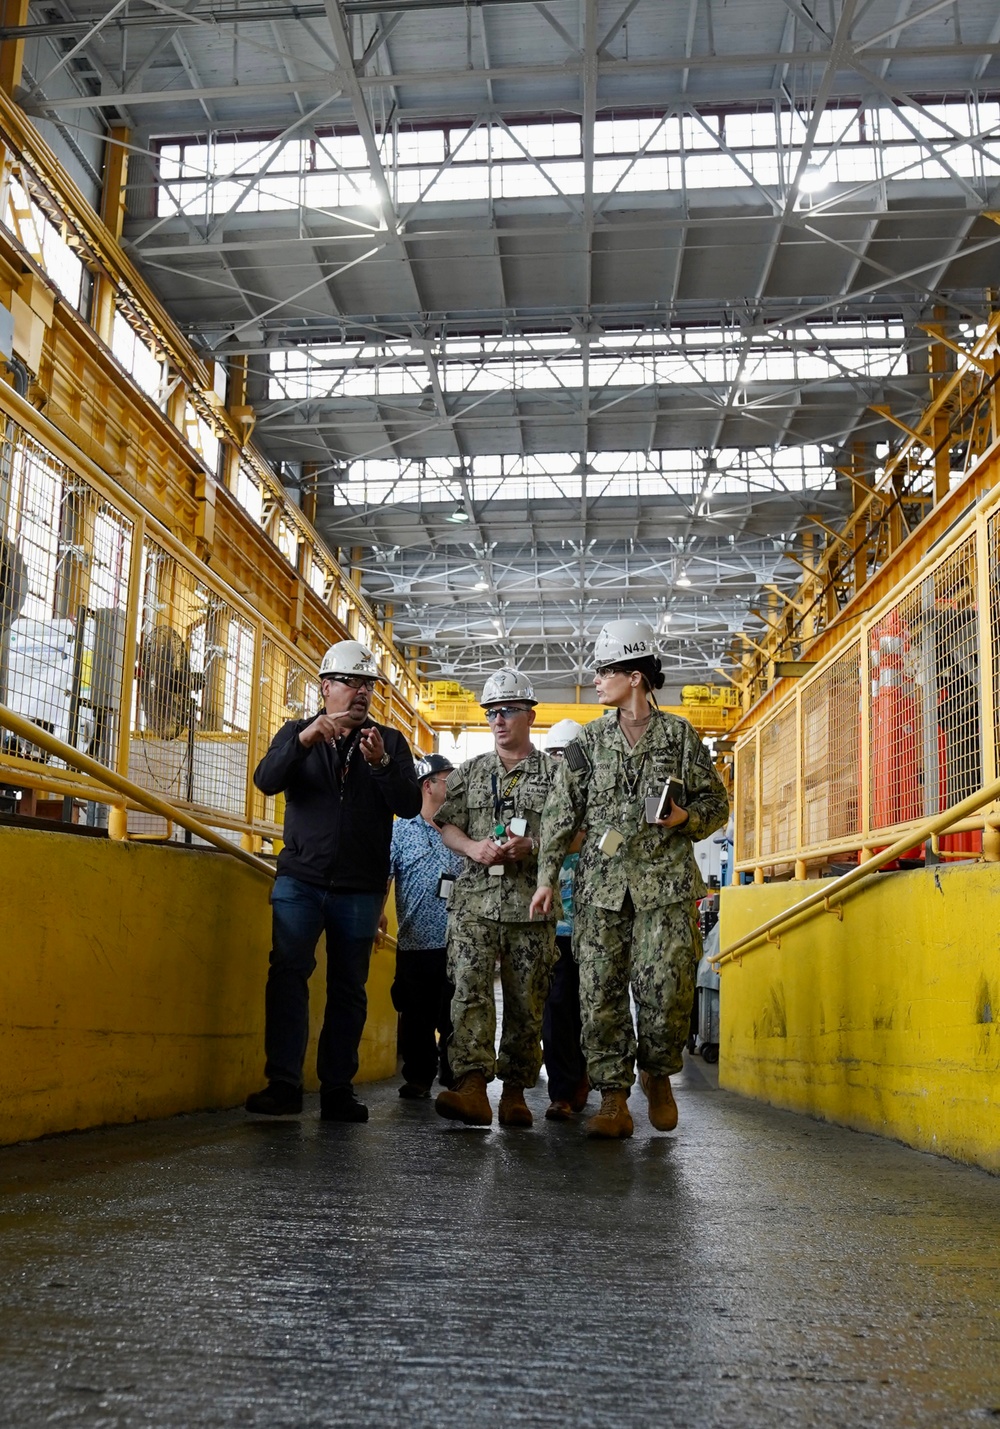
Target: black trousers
<point>421,994</point>
<point>565,1064</point>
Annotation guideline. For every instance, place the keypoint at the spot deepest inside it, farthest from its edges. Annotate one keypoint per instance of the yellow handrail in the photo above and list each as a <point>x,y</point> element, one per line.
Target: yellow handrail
<point>850,881</point>
<point>25,729</point>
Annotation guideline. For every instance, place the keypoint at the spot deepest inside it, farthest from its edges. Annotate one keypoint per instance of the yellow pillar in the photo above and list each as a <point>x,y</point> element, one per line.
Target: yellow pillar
<point>12,12</point>
<point>113,217</point>
<point>938,359</point>
<point>860,483</point>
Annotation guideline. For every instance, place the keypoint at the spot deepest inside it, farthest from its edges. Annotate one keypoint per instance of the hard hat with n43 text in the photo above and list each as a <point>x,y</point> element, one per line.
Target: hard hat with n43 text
<point>624,640</point>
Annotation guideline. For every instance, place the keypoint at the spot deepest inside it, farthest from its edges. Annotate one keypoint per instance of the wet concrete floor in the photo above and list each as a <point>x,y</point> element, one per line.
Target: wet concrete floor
<point>753,1268</point>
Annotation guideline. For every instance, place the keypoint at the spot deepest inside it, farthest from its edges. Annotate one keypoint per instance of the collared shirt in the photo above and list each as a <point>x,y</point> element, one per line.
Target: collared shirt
<point>476,793</point>
<point>417,859</point>
<point>654,866</point>
<point>567,877</point>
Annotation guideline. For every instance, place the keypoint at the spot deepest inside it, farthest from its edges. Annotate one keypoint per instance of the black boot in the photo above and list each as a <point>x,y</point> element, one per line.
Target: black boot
<point>277,1099</point>
<point>340,1104</point>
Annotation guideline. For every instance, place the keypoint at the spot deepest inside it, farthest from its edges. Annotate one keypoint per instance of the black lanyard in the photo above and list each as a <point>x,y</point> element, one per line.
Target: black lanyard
<point>341,766</point>
<point>502,793</point>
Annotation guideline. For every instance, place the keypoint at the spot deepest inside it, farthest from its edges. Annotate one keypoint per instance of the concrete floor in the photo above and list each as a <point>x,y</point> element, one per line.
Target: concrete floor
<point>752,1269</point>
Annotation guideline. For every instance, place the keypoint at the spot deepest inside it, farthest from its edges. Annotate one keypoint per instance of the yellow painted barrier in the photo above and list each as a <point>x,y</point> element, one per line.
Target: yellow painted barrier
<point>887,1020</point>
<point>132,984</point>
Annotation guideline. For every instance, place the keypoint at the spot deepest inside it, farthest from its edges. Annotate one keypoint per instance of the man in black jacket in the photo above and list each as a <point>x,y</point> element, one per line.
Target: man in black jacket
<point>343,777</point>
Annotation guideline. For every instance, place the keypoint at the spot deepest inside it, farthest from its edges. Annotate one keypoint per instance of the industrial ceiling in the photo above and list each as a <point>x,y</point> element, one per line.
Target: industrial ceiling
<point>563,310</point>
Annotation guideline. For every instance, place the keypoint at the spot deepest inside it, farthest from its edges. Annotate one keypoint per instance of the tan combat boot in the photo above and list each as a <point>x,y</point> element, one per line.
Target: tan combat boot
<point>613,1121</point>
<point>466,1101</point>
<point>662,1107</point>
<point>514,1110</point>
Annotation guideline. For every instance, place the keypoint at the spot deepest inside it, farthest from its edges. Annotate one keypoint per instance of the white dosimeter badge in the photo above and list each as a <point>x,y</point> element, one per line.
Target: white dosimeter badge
<point>445,884</point>
<point>518,828</point>
<point>499,835</point>
<point>610,842</point>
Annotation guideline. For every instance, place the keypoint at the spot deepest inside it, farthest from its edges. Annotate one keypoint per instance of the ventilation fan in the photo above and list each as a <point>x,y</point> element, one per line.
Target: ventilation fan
<point>165,682</point>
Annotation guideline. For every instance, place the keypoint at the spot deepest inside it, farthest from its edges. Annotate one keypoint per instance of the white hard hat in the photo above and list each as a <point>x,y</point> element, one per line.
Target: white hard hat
<point>507,684</point>
<point>562,733</point>
<point>350,657</point>
<point>624,640</point>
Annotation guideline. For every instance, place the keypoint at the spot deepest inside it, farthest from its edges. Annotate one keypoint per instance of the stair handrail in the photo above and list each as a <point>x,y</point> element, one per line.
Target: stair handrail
<point>27,730</point>
<point>852,880</point>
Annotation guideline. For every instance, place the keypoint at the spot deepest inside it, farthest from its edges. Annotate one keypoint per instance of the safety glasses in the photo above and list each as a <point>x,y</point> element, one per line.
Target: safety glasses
<point>353,682</point>
<point>508,711</point>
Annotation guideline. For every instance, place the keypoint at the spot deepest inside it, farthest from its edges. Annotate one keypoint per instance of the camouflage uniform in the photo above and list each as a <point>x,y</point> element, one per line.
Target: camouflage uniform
<point>635,909</point>
<point>488,919</point>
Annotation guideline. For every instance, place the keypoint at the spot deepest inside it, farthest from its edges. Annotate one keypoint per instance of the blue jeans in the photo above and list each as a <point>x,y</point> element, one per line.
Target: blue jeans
<point>299,913</point>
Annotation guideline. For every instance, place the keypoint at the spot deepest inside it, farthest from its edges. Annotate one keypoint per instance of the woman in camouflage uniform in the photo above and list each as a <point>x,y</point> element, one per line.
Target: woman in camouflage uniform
<point>637,881</point>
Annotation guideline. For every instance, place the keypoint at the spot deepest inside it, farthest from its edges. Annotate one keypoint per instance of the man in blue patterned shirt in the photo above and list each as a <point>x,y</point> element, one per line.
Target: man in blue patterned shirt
<point>422,991</point>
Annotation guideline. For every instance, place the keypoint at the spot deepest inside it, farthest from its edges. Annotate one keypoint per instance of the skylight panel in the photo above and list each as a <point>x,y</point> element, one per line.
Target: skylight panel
<point>474,144</point>
<point>608,173</point>
<point>170,162</point>
<point>698,134</point>
<point>321,190</point>
<point>426,146</point>
<point>527,181</point>
<point>136,356</point>
<point>548,141</point>
<point>348,150</point>
<point>765,167</point>
<point>504,145</point>
<point>750,130</point>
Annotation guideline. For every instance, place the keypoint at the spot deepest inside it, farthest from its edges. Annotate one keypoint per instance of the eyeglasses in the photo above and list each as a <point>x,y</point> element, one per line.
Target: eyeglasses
<point>508,711</point>
<point>353,682</point>
<point>604,672</point>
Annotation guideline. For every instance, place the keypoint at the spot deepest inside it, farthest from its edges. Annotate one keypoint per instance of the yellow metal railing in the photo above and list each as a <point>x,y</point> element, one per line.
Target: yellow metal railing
<point>125,794</point>
<point>830,896</point>
<point>898,723</point>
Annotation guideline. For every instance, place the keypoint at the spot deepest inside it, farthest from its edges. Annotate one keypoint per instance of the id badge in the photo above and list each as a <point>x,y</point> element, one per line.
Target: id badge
<point>610,842</point>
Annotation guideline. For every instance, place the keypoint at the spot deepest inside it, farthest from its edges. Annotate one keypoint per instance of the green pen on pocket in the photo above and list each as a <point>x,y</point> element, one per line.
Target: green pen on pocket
<point>499,832</point>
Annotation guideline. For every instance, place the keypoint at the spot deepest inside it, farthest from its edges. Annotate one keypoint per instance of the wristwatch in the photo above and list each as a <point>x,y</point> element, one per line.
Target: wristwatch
<point>384,762</point>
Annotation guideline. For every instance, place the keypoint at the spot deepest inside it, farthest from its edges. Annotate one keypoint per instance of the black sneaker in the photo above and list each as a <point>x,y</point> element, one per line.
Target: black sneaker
<point>414,1092</point>
<point>277,1099</point>
<point>340,1104</point>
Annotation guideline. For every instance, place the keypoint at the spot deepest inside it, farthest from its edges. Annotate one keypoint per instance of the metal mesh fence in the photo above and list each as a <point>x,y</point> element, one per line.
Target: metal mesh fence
<point>191,701</point>
<point>182,711</point>
<point>925,752</point>
<point>831,752</point>
<point>779,785</point>
<point>64,564</point>
<point>287,691</point>
<point>993,615</point>
<point>745,786</point>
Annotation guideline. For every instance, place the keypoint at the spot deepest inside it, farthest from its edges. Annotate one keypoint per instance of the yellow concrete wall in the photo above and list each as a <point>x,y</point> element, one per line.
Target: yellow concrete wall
<point>132,984</point>
<point>888,1021</point>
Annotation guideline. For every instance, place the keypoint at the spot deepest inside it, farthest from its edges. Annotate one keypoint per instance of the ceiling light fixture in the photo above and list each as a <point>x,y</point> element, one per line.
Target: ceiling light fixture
<point>458,516</point>
<point>683,580</point>
<point>481,585</point>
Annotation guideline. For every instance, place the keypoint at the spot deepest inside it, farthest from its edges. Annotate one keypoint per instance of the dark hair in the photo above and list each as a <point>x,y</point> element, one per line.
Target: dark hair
<point>648,667</point>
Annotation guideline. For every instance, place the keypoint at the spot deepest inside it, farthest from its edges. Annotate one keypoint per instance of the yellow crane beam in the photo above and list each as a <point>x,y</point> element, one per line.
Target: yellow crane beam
<point>445,705</point>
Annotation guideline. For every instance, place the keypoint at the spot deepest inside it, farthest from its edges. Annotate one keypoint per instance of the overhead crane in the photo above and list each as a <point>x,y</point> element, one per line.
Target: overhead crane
<point>447,705</point>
